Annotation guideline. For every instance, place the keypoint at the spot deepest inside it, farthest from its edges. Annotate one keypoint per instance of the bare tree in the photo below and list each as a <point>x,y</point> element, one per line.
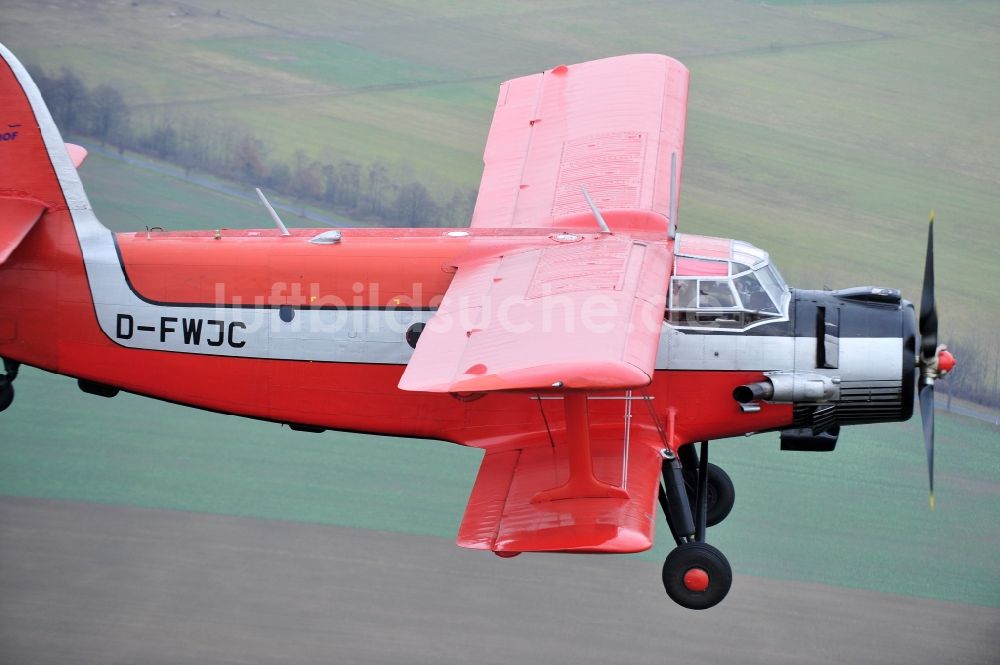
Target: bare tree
<point>109,113</point>
<point>69,101</point>
<point>248,159</point>
<point>414,205</point>
<point>379,185</point>
<point>329,183</point>
<point>306,177</point>
<point>348,184</point>
<point>162,141</point>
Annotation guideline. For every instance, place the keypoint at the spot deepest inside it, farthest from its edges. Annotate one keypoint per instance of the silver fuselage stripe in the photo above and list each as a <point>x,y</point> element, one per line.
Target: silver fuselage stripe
<point>861,358</point>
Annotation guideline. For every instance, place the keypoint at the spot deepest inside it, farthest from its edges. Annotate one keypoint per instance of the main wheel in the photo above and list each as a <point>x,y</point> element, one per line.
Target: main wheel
<point>697,576</point>
<point>6,394</point>
<point>721,494</point>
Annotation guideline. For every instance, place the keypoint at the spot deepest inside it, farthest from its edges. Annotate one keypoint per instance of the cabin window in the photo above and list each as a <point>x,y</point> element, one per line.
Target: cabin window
<point>713,293</point>
<point>704,303</point>
<point>684,294</point>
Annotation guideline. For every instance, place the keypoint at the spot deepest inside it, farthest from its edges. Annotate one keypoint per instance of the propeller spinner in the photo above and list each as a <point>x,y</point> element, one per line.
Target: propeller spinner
<point>935,360</point>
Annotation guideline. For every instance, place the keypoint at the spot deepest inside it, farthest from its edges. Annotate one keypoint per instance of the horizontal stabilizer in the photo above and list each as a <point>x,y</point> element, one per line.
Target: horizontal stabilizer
<point>77,153</point>
<point>501,515</point>
<point>17,217</point>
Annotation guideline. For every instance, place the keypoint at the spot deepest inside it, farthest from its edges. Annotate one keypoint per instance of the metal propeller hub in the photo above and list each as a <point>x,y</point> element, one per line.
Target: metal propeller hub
<point>937,366</point>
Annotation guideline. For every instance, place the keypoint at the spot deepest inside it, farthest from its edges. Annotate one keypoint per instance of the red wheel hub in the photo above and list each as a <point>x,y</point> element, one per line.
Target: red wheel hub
<point>506,554</point>
<point>696,579</point>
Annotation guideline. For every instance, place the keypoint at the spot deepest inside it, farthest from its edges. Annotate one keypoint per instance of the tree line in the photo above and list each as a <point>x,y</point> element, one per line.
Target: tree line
<point>374,192</point>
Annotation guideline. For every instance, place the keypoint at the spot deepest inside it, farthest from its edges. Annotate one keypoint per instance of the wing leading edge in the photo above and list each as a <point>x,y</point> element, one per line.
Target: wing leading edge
<point>577,315</point>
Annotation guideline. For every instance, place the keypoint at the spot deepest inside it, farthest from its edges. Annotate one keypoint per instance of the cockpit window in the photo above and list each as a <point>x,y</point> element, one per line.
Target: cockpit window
<point>754,296</point>
<point>720,285</point>
<point>766,278</point>
<point>772,281</point>
<point>715,293</point>
<point>747,254</point>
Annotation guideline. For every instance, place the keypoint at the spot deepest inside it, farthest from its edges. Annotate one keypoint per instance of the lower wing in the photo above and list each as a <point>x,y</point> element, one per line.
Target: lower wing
<point>505,515</point>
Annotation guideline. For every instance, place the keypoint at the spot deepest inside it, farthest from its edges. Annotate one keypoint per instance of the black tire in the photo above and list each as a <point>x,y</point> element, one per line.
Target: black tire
<point>721,493</point>
<point>694,557</point>
<point>6,395</point>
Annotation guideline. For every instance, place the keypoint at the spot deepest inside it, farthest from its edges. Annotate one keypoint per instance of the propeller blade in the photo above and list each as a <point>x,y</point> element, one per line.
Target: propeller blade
<point>928,310</point>
<point>927,416</point>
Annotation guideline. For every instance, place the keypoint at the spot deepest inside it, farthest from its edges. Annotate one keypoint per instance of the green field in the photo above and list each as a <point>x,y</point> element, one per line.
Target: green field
<point>131,198</point>
<point>857,517</point>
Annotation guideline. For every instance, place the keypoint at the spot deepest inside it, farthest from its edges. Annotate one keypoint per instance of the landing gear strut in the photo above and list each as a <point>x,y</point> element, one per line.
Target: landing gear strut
<point>721,492</point>
<point>695,575</point>
<point>7,383</point>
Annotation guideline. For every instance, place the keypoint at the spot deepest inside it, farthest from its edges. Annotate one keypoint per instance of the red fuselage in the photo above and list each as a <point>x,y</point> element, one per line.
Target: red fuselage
<point>388,274</point>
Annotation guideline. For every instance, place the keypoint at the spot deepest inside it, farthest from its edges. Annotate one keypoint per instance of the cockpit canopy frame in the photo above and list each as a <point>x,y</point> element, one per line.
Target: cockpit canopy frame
<point>724,284</point>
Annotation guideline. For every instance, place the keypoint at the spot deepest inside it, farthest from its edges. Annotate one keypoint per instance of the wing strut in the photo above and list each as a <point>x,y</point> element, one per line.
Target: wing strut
<point>274,216</point>
<point>672,229</point>
<point>595,210</point>
<point>582,483</point>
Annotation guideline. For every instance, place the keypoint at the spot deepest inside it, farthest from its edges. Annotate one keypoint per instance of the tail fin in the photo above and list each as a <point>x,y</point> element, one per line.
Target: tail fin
<point>38,177</point>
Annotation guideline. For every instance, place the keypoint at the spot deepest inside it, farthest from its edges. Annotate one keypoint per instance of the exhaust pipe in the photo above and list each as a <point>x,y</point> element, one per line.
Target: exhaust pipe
<point>789,387</point>
<point>753,392</point>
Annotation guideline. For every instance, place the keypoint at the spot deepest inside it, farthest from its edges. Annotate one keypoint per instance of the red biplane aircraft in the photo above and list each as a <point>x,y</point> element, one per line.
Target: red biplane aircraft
<point>570,332</point>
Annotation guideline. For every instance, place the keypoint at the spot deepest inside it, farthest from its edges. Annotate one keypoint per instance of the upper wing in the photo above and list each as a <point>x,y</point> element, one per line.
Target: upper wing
<point>584,314</point>
<point>611,125</point>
